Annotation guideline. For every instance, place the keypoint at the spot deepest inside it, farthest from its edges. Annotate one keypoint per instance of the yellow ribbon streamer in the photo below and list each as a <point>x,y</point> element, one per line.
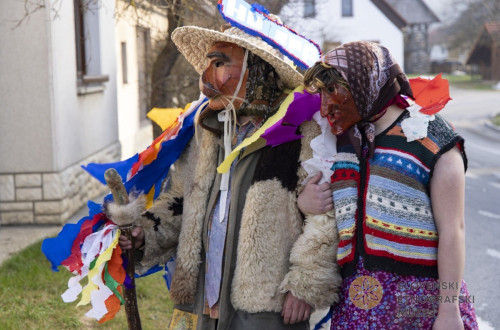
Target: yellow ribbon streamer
<point>226,164</point>
<point>150,198</point>
<point>166,117</point>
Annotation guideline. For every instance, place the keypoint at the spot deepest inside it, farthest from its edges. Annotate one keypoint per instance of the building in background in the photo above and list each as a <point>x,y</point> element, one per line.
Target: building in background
<point>400,25</point>
<point>331,23</point>
<point>73,90</point>
<point>486,52</point>
<point>443,59</point>
<point>417,18</point>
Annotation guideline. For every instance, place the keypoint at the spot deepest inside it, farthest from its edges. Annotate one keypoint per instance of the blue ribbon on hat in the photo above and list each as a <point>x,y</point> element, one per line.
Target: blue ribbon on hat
<point>255,20</point>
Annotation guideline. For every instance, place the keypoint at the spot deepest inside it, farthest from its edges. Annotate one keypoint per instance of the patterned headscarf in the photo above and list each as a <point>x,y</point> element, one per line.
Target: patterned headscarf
<point>374,79</point>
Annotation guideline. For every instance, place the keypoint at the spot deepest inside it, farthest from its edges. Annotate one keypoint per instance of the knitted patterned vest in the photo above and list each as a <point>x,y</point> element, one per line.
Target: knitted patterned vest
<point>383,207</point>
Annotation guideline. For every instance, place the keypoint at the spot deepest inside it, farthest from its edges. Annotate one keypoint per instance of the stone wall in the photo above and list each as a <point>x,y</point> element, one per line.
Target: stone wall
<point>51,198</point>
<point>417,59</point>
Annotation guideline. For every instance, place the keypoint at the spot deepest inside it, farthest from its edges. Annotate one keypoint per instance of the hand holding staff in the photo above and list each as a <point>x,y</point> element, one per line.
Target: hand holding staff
<point>120,196</point>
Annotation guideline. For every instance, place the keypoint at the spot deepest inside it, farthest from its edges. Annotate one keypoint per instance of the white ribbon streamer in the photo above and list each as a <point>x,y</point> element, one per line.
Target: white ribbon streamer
<point>226,116</point>
<point>93,245</point>
<point>324,149</point>
<point>98,297</point>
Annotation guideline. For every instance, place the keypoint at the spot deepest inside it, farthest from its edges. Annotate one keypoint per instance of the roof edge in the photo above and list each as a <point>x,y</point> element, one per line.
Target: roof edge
<point>431,12</point>
<point>390,13</point>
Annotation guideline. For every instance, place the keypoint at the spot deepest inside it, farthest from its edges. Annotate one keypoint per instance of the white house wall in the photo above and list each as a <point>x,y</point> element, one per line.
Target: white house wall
<point>86,123</point>
<point>135,135</point>
<point>439,52</point>
<point>48,130</point>
<point>367,23</point>
<point>25,107</point>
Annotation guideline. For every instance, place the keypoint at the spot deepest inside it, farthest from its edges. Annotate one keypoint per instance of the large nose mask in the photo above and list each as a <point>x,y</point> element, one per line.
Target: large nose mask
<point>208,86</point>
<point>223,81</point>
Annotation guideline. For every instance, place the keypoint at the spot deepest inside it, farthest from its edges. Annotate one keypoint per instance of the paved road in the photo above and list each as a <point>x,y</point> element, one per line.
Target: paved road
<point>15,238</point>
<point>469,112</point>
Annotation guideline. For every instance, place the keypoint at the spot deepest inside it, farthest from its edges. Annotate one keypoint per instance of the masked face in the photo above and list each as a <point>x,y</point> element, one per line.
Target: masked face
<point>220,79</point>
<point>337,105</point>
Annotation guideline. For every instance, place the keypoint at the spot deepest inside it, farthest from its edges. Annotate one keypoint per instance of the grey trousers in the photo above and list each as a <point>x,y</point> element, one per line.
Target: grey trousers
<point>263,321</point>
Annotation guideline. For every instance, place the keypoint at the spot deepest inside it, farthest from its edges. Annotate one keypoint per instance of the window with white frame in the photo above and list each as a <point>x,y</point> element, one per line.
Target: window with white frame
<point>143,42</point>
<point>123,49</point>
<point>88,59</point>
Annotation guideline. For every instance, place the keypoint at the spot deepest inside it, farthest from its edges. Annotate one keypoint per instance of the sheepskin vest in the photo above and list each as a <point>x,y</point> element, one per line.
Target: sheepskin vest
<point>266,219</point>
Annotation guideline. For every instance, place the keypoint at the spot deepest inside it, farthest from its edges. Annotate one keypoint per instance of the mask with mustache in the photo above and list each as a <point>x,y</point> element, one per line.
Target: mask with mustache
<point>262,85</point>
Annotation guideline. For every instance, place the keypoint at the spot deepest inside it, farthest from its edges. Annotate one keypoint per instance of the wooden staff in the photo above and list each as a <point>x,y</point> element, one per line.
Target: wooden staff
<point>114,182</point>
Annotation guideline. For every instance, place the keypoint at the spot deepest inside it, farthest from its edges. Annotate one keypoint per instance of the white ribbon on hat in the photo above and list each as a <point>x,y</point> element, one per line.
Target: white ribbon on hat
<point>226,116</point>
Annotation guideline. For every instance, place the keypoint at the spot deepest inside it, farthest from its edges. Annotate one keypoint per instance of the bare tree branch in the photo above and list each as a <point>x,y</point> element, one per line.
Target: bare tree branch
<point>30,7</point>
<point>465,29</point>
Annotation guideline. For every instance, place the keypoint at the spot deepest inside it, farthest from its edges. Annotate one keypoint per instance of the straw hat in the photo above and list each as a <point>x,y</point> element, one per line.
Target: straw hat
<point>194,42</point>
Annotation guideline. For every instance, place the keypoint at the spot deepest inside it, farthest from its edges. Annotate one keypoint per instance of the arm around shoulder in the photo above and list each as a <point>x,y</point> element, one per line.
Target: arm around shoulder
<point>314,275</point>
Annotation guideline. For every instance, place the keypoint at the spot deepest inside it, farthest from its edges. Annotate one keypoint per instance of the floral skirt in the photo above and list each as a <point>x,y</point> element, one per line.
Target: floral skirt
<point>384,300</point>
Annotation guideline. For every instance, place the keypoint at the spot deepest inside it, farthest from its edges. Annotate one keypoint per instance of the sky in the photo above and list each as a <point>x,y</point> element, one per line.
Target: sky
<point>437,6</point>
<point>443,8</point>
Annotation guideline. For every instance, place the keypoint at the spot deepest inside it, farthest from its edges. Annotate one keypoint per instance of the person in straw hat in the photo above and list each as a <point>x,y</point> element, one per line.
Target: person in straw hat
<point>232,234</point>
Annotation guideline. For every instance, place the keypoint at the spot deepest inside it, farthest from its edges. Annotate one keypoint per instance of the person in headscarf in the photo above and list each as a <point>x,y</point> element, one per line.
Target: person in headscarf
<point>398,202</point>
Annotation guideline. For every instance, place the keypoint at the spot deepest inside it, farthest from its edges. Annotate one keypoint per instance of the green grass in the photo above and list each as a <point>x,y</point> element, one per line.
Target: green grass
<point>496,119</point>
<point>30,297</point>
<point>469,82</point>
<point>465,82</point>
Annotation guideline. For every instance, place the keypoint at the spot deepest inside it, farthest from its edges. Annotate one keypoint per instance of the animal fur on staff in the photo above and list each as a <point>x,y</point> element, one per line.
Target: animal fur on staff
<point>120,197</point>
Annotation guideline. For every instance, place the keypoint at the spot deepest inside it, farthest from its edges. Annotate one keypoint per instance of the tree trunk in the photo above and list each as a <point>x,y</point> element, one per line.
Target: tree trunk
<point>165,62</point>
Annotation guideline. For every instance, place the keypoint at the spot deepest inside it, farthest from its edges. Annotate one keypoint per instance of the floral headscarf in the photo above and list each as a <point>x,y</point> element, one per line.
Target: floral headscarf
<point>374,79</point>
